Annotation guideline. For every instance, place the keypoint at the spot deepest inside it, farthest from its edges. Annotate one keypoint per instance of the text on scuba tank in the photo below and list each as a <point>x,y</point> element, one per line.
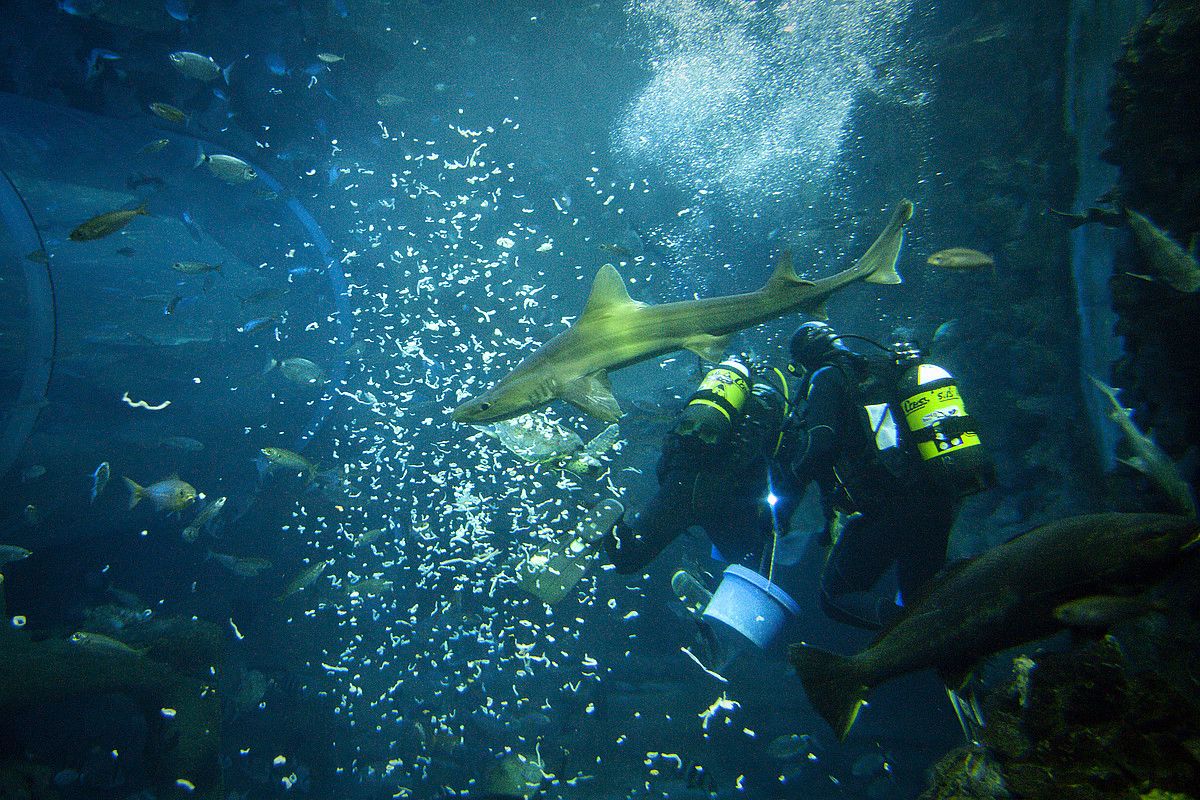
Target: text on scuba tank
<point>944,395</point>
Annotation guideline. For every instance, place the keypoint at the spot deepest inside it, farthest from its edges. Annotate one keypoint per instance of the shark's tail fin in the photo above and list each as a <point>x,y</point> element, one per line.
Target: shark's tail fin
<point>832,685</point>
<point>885,252</point>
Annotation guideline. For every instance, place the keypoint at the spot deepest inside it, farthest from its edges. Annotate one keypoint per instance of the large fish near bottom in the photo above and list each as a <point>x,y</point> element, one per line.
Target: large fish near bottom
<point>1007,596</point>
<point>615,331</point>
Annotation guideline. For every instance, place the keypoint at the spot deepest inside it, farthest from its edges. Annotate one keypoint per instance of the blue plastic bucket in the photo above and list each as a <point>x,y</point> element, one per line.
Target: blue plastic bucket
<point>750,604</point>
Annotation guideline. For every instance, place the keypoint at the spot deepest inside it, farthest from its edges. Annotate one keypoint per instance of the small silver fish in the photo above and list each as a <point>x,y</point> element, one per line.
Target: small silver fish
<point>169,494</point>
<point>100,479</point>
<point>298,370</point>
<point>186,443</point>
<point>206,515</point>
<point>200,67</point>
<point>230,169</point>
<point>100,643</point>
<point>306,577</point>
<point>242,566</point>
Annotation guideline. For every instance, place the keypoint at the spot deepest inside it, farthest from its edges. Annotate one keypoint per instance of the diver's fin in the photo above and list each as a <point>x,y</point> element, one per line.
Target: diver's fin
<point>553,571</point>
<point>600,520</point>
<point>1136,463</point>
<point>708,347</point>
<point>608,292</point>
<point>592,394</point>
<point>885,251</point>
<point>832,685</point>
<point>970,715</point>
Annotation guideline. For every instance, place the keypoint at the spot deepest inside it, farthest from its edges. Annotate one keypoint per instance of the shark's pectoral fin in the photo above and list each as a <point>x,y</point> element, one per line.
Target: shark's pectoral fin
<point>710,348</point>
<point>592,394</point>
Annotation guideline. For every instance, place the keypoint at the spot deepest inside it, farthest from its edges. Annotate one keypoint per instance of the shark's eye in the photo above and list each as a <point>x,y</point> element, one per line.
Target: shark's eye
<point>484,406</point>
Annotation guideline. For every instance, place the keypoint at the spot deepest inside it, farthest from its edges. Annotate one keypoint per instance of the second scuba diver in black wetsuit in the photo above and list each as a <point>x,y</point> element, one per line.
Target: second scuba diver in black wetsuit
<point>887,441</point>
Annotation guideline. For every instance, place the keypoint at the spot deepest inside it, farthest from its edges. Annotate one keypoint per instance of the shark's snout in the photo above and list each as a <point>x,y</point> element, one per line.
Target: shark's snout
<point>472,411</point>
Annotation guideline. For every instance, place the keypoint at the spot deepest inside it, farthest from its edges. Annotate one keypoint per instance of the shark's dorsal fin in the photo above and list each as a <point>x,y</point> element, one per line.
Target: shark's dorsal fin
<point>785,273</point>
<point>608,292</point>
<point>592,394</point>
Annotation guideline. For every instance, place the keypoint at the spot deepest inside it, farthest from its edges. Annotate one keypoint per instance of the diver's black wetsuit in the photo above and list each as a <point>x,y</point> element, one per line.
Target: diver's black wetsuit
<point>898,520</point>
<point>722,489</point>
<point>889,519</point>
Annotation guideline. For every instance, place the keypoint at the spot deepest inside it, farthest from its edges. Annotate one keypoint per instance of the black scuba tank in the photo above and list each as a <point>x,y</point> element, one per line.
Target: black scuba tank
<point>941,430</point>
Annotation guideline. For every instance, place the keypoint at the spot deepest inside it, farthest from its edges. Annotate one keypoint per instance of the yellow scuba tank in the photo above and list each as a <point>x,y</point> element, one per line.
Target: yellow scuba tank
<point>941,430</point>
<point>713,407</point>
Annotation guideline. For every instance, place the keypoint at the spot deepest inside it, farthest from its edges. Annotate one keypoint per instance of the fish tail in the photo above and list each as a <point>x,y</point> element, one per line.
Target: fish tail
<point>136,493</point>
<point>201,156</point>
<point>832,684</point>
<point>143,209</point>
<point>225,72</point>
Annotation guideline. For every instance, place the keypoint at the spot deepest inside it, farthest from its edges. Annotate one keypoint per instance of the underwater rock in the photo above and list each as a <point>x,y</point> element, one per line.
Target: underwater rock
<point>1087,724</point>
<point>1156,147</point>
<point>33,673</point>
<point>968,773</point>
<point>22,780</point>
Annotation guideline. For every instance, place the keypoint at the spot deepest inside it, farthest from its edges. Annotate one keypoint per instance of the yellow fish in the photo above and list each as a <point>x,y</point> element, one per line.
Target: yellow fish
<point>169,112</point>
<point>288,459</point>
<point>105,224</point>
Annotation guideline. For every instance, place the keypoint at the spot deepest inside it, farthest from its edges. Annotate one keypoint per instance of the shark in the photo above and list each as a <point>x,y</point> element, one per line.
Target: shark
<point>616,331</point>
<point>1145,455</point>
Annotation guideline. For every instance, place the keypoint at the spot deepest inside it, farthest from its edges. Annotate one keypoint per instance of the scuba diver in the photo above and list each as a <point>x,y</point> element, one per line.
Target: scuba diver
<point>714,467</point>
<point>890,445</point>
<point>886,439</point>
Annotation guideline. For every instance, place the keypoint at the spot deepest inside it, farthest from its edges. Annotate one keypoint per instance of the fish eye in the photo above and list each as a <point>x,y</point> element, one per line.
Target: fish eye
<point>484,406</point>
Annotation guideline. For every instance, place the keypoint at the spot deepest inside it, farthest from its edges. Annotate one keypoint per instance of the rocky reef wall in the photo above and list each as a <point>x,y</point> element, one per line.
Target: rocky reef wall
<point>1155,144</point>
<point>1005,157</point>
